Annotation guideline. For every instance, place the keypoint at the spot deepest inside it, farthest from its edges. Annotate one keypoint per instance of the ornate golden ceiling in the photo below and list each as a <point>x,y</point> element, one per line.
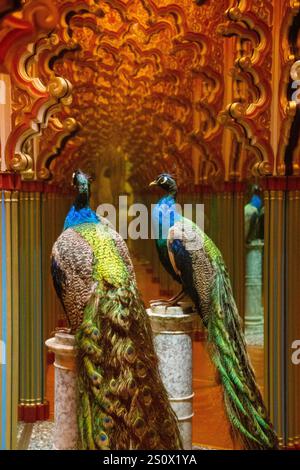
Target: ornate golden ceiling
<point>154,82</point>
<point>133,79</point>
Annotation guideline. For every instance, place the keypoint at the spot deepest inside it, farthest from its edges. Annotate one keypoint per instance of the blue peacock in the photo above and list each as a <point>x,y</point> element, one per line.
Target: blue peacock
<point>122,403</point>
<point>194,261</point>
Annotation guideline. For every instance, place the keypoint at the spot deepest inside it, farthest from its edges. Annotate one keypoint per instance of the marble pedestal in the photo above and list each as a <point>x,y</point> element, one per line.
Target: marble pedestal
<point>254,315</point>
<point>173,343</point>
<point>65,414</point>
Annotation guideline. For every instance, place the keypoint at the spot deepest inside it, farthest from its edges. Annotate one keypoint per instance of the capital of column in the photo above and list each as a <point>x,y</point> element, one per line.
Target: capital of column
<point>63,346</point>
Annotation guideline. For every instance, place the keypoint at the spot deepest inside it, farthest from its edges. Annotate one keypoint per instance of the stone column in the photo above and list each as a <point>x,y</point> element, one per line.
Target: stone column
<point>65,408</point>
<point>173,343</point>
<point>254,312</point>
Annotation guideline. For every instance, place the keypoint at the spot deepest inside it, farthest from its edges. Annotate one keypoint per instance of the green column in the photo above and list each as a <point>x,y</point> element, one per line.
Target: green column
<point>32,404</point>
<point>9,312</point>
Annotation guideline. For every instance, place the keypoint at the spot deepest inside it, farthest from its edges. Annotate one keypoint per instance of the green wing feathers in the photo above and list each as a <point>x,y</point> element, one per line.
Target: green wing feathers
<point>243,401</point>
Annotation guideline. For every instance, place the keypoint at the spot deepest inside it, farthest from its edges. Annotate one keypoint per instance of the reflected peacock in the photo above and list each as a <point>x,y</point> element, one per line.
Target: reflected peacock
<point>193,260</point>
<point>122,403</point>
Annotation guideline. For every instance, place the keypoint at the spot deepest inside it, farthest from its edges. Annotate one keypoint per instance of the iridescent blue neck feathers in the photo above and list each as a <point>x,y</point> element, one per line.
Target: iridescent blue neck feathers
<point>165,214</point>
<point>256,201</point>
<point>80,212</point>
<point>80,216</point>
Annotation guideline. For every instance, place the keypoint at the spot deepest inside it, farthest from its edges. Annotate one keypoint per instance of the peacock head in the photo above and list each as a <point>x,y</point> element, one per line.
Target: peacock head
<point>81,182</point>
<point>166,182</point>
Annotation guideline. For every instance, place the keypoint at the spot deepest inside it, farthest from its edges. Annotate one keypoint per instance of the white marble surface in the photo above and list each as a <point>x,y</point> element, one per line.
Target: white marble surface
<point>173,344</point>
<point>65,414</point>
<point>42,436</point>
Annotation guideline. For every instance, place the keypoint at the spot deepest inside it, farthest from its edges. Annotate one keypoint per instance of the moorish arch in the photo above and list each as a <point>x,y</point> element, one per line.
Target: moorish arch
<point>127,89</point>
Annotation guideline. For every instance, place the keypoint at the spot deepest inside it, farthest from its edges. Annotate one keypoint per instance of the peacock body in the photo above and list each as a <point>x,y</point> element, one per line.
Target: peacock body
<point>122,403</point>
<point>194,261</point>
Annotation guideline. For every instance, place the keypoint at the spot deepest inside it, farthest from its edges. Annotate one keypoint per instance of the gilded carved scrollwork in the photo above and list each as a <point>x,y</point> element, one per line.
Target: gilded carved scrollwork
<point>148,77</point>
<point>37,112</point>
<point>140,59</point>
<point>248,114</point>
<point>9,6</point>
<point>35,96</point>
<point>112,53</point>
<point>55,138</point>
<point>289,86</point>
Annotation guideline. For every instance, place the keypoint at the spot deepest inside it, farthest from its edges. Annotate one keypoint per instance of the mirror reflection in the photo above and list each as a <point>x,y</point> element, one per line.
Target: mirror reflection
<point>114,116</point>
<point>254,261</point>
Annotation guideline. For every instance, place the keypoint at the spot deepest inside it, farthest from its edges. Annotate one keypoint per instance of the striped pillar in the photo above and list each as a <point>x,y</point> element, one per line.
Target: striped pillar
<point>293,323</point>
<point>28,230</point>
<point>226,228</point>
<point>42,211</point>
<point>9,304</point>
<point>32,404</point>
<point>282,259</point>
<point>275,347</point>
<point>238,248</point>
<point>54,209</point>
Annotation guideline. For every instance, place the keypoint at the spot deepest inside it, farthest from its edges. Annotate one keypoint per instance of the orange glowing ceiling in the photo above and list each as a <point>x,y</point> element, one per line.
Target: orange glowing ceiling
<point>157,83</point>
<point>144,75</point>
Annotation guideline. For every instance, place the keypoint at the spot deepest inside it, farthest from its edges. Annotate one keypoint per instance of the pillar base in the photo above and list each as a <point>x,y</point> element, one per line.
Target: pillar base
<point>32,413</point>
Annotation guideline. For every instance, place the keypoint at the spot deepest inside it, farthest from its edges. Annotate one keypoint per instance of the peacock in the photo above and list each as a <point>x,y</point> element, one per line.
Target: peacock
<point>254,217</point>
<point>122,403</point>
<point>195,262</point>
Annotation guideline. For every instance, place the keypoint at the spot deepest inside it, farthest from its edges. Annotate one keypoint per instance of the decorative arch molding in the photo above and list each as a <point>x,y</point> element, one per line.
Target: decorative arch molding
<point>55,139</point>
<point>33,100</point>
<point>36,119</point>
<point>210,166</point>
<point>9,6</point>
<point>119,57</point>
<point>248,115</point>
<point>290,72</point>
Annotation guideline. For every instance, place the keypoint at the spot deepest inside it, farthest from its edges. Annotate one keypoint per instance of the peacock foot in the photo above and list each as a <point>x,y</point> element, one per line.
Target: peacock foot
<point>59,329</point>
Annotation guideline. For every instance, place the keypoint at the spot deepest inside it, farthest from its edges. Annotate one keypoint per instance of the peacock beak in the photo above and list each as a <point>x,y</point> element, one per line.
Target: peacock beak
<point>153,183</point>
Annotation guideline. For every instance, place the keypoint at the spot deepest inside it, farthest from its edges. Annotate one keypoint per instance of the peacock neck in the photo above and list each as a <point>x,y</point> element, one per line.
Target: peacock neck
<point>168,199</point>
<point>164,216</point>
<point>80,213</point>
<point>82,201</point>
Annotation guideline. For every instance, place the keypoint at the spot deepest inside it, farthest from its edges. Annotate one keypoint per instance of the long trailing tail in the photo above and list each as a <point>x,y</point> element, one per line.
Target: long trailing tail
<point>243,401</point>
<point>122,403</point>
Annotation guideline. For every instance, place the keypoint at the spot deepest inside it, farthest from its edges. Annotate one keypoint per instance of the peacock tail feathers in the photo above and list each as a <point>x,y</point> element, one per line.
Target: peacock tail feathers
<point>192,258</point>
<point>122,401</point>
<point>243,401</point>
